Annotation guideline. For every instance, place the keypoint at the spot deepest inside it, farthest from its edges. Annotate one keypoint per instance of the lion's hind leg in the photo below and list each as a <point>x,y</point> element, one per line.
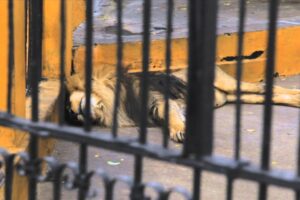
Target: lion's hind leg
<point>228,84</point>
<point>256,91</point>
<point>287,91</point>
<point>284,99</point>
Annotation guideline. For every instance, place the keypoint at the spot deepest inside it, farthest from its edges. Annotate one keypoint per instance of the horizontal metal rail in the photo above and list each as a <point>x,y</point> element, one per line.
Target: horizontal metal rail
<point>218,164</point>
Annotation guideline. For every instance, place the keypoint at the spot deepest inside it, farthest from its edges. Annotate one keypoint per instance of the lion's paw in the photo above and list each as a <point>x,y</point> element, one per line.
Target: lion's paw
<point>177,131</point>
<point>78,106</point>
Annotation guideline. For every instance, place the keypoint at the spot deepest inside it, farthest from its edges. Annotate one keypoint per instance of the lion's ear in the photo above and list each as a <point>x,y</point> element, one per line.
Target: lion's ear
<point>74,83</point>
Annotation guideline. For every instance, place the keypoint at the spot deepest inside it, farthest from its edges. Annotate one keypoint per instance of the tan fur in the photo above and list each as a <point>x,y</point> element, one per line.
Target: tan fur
<point>103,92</point>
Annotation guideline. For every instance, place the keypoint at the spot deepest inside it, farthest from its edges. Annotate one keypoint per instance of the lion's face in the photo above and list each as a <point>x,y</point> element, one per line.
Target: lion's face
<point>78,104</point>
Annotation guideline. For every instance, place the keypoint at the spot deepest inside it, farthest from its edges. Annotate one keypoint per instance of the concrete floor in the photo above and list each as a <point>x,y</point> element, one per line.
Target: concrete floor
<point>284,145</point>
<point>105,19</point>
<point>285,121</point>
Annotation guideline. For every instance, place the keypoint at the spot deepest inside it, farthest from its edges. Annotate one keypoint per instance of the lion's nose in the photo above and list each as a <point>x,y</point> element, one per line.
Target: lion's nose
<point>93,105</point>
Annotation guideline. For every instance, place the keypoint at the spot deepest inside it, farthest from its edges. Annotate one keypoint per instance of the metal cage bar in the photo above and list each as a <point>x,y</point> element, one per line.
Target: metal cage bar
<point>297,170</point>
<point>62,91</point>
<point>166,130</point>
<point>35,63</point>
<point>202,41</point>
<point>119,67</point>
<point>137,190</point>
<point>83,150</point>
<point>270,66</point>
<point>239,71</point>
<point>10,54</point>
<point>145,72</point>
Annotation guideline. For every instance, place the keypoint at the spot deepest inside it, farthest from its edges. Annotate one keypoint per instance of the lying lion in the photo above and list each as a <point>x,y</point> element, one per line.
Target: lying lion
<point>103,91</point>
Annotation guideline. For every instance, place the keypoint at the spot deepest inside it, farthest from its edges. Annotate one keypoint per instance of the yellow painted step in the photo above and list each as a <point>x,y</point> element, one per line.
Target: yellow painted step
<point>287,50</point>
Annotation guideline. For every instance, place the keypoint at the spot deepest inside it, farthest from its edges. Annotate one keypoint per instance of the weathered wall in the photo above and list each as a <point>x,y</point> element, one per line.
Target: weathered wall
<point>18,90</point>
<point>11,139</point>
<point>75,14</point>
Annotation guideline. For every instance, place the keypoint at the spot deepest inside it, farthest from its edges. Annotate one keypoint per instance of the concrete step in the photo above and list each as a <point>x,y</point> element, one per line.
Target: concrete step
<point>104,49</point>
<point>105,19</point>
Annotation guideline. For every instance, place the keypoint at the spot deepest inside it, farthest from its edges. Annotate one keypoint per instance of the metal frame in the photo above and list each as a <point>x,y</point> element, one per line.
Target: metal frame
<point>202,42</point>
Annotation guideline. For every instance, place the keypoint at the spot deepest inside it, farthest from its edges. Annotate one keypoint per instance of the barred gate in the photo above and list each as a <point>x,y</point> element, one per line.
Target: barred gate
<point>197,150</point>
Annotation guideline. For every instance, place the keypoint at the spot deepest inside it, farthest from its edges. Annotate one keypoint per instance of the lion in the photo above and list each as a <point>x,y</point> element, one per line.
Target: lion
<point>103,92</point>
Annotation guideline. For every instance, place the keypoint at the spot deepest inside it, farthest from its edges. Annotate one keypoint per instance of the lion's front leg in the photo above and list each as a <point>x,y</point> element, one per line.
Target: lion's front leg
<point>176,117</point>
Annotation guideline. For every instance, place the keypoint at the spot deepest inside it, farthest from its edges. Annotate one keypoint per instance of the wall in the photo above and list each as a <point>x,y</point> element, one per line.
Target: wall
<point>13,140</point>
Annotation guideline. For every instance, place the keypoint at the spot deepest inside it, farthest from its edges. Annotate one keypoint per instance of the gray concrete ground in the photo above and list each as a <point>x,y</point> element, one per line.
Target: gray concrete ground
<point>285,121</point>
<point>105,19</point>
<point>284,145</point>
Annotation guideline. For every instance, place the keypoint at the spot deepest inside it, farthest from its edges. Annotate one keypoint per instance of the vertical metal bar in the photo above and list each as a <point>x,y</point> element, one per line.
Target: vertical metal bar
<point>109,191</point>
<point>202,46</point>
<point>137,192</point>
<point>9,172</point>
<point>30,49</point>
<point>239,71</point>
<point>25,22</point>
<point>11,49</point>
<point>88,63</point>
<point>229,188</point>
<point>88,88</point>
<point>62,92</point>
<point>33,151</point>
<point>57,189</point>
<point>145,73</point>
<point>297,193</point>
<point>57,177</point>
<point>35,62</point>
<point>119,67</point>
<point>166,130</point>
<point>26,36</point>
<point>266,140</point>
<point>36,56</point>
<point>192,22</point>
<point>197,184</point>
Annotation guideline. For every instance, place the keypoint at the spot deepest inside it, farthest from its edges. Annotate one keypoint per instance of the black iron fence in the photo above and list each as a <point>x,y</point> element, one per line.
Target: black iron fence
<point>197,151</point>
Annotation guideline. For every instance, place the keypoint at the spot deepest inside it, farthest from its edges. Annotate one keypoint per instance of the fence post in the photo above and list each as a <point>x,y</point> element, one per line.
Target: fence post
<point>202,48</point>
